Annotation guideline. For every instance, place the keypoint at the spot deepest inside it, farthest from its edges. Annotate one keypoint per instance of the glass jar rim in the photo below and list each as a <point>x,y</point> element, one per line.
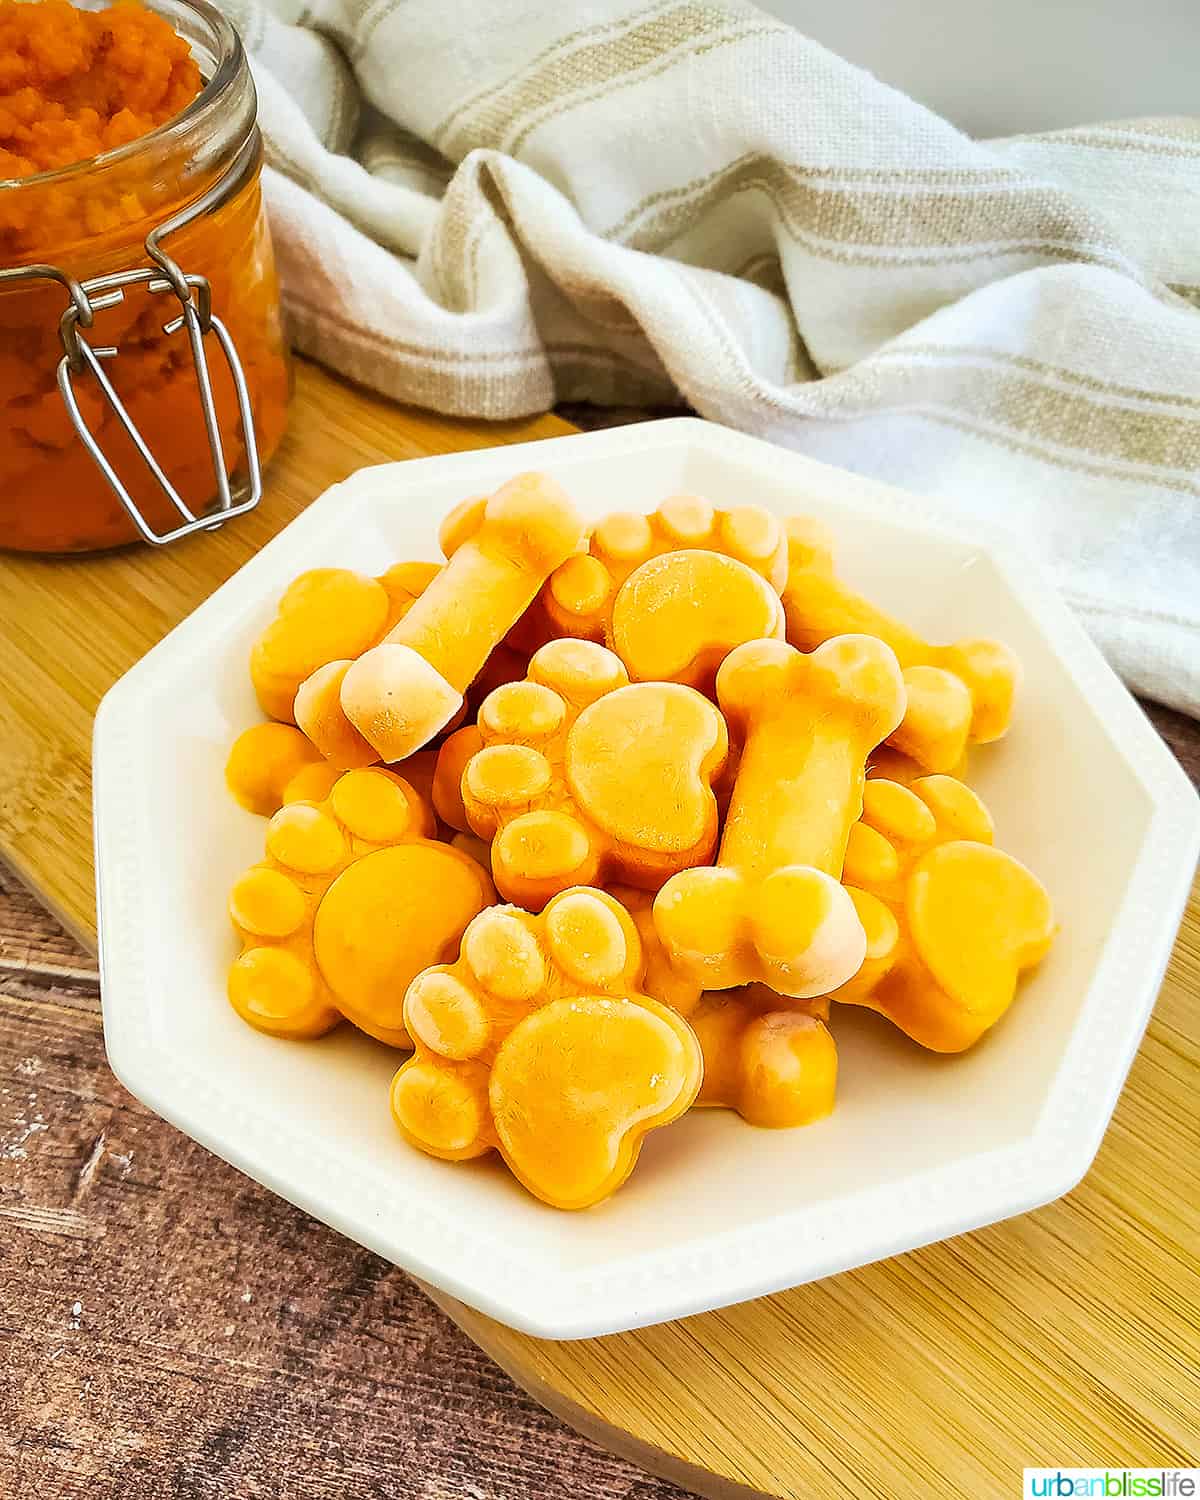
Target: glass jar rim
<point>230,61</point>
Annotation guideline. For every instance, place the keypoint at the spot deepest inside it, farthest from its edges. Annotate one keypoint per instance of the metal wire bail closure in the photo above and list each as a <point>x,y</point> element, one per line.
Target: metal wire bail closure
<point>197,320</point>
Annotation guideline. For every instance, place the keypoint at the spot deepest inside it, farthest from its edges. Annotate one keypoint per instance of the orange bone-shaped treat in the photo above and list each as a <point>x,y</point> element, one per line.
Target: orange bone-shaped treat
<point>583,778</point>
<point>773,909</point>
<point>325,615</point>
<point>957,694</point>
<point>769,1057</point>
<point>352,901</point>
<point>774,1063</point>
<point>952,922</point>
<point>319,712</point>
<point>578,599</point>
<point>536,1043</point>
<point>402,692</point>
<point>660,978</point>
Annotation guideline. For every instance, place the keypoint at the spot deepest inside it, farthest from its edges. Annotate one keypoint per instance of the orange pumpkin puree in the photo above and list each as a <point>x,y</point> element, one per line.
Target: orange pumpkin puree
<point>75,84</point>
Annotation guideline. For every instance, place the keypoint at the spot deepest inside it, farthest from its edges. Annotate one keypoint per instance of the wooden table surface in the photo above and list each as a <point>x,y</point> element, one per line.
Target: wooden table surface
<point>170,1329</point>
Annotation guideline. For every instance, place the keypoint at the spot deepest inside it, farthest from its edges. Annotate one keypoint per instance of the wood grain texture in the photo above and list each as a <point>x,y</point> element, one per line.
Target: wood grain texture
<point>71,627</point>
<point>169,1329</point>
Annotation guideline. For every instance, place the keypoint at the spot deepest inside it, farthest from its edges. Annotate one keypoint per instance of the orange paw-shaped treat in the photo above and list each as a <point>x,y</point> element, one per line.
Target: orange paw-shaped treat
<point>889,764</point>
<point>674,592</point>
<point>478,850</point>
<point>418,770</point>
<point>578,599</point>
<point>536,1043</point>
<point>325,615</point>
<point>395,697</point>
<point>680,615</point>
<point>774,1063</point>
<point>352,901</point>
<point>957,694</point>
<point>311,783</point>
<point>273,764</point>
<point>264,761</point>
<point>584,778</point>
<point>952,922</point>
<point>773,909</point>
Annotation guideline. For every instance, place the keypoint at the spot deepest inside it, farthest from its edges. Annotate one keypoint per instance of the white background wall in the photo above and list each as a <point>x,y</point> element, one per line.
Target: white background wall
<point>997,67</point>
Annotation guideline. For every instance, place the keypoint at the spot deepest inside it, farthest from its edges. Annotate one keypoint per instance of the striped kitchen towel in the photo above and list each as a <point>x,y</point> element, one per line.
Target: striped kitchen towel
<point>489,207</point>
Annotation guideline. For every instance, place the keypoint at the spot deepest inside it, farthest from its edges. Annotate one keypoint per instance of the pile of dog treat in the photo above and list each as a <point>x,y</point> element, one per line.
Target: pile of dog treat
<point>605,824</point>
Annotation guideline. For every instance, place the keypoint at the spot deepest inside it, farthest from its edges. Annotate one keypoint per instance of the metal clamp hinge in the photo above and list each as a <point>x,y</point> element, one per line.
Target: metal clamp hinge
<point>197,319</point>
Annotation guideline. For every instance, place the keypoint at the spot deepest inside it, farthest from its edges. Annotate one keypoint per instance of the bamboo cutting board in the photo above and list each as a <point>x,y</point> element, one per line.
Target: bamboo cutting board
<point>1066,1337</point>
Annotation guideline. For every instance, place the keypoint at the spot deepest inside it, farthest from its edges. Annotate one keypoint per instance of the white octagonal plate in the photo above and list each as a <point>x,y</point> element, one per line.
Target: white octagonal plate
<point>919,1147</point>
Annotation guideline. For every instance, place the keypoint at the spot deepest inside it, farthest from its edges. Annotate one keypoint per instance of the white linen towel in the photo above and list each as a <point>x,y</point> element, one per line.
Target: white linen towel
<point>489,207</point>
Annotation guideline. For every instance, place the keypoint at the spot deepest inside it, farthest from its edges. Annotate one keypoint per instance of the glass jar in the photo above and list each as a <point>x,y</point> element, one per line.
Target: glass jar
<point>183,201</point>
